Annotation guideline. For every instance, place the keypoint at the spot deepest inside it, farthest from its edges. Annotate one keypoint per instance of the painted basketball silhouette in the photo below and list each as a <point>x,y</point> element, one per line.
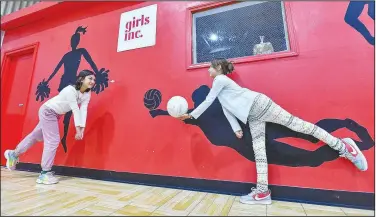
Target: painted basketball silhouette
<point>177,106</point>
<point>152,99</point>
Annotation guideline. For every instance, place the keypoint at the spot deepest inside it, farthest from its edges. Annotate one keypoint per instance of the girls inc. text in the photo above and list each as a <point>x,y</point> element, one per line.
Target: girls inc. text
<point>132,34</point>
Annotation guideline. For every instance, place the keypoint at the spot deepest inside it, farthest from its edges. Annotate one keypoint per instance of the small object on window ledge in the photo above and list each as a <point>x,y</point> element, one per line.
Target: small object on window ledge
<point>263,47</point>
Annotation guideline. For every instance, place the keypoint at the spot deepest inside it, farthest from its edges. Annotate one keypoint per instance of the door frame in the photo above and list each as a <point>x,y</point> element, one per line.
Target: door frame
<point>7,58</point>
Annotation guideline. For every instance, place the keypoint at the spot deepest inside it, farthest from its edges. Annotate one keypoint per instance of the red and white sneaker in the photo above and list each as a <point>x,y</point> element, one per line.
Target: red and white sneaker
<point>353,154</point>
<point>256,197</point>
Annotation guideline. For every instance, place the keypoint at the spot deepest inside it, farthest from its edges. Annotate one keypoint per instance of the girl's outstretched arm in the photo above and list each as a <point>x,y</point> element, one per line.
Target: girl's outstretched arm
<point>218,84</point>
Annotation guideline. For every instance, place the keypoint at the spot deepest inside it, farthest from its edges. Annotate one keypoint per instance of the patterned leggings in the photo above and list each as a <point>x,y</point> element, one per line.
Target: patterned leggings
<point>265,110</point>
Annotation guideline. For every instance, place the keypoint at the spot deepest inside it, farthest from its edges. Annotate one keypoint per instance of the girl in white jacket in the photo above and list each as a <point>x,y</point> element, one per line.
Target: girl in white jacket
<point>256,109</point>
<point>47,129</point>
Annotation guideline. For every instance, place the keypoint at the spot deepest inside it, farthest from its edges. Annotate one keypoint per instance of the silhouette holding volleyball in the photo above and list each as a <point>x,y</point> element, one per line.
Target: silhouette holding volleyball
<point>152,99</point>
<point>177,106</point>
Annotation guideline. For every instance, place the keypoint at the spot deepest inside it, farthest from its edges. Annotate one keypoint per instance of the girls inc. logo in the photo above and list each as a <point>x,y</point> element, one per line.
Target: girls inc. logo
<point>137,28</point>
<point>130,33</point>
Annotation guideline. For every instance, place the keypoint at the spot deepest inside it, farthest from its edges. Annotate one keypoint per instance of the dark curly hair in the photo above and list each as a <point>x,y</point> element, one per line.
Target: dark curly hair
<point>81,76</point>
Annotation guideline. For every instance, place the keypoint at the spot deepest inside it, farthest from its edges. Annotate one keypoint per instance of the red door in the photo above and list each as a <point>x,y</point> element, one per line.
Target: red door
<point>17,72</point>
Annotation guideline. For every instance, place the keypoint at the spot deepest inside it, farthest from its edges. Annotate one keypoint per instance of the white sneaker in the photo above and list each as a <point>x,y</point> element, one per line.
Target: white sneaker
<point>48,178</point>
<point>255,198</point>
<point>12,159</point>
<point>353,154</point>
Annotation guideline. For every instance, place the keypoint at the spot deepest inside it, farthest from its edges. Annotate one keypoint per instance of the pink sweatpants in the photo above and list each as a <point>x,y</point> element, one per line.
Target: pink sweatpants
<point>47,130</point>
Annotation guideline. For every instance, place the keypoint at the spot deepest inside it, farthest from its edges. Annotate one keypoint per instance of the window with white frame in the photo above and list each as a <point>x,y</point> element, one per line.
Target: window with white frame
<point>239,30</point>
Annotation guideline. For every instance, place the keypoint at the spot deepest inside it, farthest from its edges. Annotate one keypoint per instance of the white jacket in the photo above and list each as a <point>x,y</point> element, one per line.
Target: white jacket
<point>68,100</point>
<point>236,101</point>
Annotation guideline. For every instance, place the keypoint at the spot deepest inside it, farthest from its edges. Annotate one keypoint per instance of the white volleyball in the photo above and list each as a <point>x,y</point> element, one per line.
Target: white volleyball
<point>177,106</point>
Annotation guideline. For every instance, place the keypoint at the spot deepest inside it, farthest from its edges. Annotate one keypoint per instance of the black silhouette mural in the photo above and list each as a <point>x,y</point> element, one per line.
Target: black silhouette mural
<point>71,62</point>
<point>354,10</point>
<point>217,130</point>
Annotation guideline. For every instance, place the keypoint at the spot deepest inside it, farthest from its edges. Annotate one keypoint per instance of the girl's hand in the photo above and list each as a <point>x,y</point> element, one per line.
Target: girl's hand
<point>184,117</point>
<point>79,133</point>
<point>78,136</point>
<point>239,134</point>
<point>82,132</point>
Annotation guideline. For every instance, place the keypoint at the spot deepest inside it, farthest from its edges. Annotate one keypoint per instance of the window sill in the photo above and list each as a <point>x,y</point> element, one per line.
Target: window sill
<point>249,59</point>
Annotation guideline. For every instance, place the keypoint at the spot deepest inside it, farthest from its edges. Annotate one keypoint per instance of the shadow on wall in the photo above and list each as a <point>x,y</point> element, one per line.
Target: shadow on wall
<point>97,137</point>
<point>217,130</point>
<point>354,10</point>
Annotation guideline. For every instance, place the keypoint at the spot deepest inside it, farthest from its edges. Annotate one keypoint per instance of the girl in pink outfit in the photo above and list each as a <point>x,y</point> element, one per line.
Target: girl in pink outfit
<point>47,129</point>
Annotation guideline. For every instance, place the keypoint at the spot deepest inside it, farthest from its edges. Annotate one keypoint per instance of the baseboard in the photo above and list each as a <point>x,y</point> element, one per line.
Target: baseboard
<point>362,200</point>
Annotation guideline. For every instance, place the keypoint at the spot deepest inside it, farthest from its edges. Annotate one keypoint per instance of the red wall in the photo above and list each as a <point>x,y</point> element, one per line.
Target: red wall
<point>332,77</point>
